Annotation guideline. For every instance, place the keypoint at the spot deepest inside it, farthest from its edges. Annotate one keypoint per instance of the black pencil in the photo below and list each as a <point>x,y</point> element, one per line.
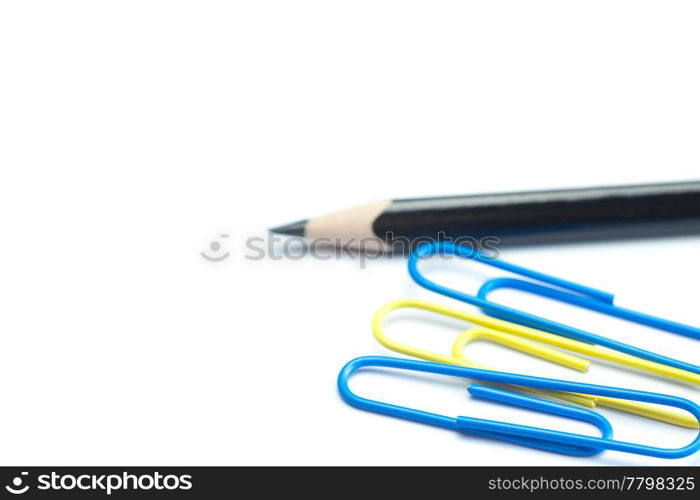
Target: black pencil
<point>587,214</point>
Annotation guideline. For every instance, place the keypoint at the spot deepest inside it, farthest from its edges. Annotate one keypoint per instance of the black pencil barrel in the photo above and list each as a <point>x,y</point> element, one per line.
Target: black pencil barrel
<point>549,216</point>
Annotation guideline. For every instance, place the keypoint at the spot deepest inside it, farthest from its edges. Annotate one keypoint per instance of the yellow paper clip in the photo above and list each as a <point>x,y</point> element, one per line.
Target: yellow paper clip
<point>520,337</point>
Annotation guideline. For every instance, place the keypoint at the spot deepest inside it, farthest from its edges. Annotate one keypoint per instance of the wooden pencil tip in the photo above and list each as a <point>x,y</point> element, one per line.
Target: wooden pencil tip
<point>294,229</point>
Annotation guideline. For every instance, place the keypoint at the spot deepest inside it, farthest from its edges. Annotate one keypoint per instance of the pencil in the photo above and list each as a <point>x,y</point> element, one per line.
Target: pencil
<point>552,216</point>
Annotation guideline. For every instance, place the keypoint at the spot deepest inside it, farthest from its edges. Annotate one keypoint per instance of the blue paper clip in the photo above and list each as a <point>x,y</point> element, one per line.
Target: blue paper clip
<point>534,437</point>
<point>559,289</point>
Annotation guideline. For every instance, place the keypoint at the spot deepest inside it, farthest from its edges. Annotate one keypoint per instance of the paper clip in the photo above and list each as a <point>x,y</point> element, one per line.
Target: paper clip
<point>558,289</point>
<point>535,437</point>
<point>556,356</point>
<point>519,337</point>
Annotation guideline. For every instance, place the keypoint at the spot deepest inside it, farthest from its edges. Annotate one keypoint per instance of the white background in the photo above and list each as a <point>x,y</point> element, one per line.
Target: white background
<point>134,133</point>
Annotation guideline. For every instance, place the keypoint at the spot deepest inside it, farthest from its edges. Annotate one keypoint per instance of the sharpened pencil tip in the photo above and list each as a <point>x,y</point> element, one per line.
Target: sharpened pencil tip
<point>294,229</point>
